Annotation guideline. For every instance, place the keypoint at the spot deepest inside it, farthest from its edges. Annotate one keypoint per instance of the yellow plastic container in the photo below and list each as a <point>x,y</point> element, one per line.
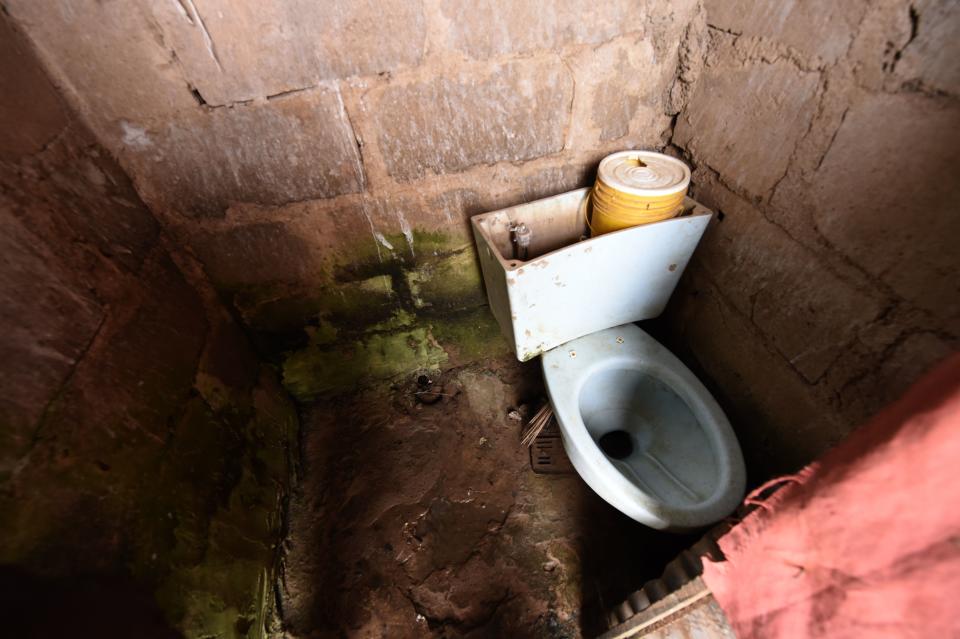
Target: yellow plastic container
<point>637,187</point>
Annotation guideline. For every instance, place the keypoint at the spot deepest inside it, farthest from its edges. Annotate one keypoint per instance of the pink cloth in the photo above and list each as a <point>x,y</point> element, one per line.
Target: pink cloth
<point>866,542</point>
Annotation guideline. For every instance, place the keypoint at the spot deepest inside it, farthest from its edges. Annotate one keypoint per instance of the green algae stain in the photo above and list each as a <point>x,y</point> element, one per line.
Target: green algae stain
<point>372,298</point>
<point>213,536</point>
<point>205,502</point>
<point>339,303</point>
<point>324,370</point>
<point>323,333</point>
<point>387,314</point>
<point>407,344</point>
<point>427,243</point>
<point>450,283</point>
<point>424,244</point>
<point>211,516</point>
<point>470,335</point>
<point>363,286</point>
<point>223,597</point>
<point>399,319</point>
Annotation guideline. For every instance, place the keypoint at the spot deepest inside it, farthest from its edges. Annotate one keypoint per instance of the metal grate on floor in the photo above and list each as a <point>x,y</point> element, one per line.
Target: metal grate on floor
<point>547,456</point>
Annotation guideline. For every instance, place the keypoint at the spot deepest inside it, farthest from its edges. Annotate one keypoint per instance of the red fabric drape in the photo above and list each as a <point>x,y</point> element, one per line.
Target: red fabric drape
<point>866,542</point>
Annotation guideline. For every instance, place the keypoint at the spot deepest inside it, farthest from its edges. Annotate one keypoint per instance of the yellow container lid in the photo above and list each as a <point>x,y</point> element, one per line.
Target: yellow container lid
<point>644,173</point>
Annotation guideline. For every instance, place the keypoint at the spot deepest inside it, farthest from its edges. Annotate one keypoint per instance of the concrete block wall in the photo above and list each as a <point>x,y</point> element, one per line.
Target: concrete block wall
<point>827,136</point>
<point>321,159</point>
<point>145,453</point>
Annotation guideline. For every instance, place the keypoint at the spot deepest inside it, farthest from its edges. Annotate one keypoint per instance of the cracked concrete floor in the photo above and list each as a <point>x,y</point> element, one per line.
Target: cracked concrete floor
<point>416,520</point>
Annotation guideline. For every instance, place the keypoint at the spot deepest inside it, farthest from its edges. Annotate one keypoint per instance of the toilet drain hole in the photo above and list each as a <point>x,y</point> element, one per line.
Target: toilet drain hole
<point>616,444</point>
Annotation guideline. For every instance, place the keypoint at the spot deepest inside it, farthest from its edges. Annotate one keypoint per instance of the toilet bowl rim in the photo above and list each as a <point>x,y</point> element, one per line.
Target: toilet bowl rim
<point>573,426</point>
<point>731,477</point>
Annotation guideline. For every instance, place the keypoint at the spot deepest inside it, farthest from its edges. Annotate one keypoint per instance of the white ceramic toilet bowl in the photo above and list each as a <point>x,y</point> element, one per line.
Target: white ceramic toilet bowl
<point>642,431</point>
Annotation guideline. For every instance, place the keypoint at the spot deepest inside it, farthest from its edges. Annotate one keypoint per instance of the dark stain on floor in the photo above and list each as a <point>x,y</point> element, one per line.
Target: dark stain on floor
<point>425,520</point>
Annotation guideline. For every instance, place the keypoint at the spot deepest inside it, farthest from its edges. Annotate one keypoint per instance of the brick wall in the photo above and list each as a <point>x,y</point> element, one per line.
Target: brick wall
<point>828,136</point>
<point>321,160</point>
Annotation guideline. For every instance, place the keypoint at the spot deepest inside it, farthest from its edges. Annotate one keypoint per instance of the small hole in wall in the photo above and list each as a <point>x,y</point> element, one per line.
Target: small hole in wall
<point>196,96</point>
<point>720,215</point>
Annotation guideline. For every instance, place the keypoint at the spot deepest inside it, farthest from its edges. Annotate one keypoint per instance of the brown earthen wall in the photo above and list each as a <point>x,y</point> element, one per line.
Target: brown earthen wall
<point>133,411</point>
<point>827,136</point>
<point>276,141</point>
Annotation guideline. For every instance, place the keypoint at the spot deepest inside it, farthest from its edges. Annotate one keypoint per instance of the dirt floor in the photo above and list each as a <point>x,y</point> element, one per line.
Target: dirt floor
<point>425,520</point>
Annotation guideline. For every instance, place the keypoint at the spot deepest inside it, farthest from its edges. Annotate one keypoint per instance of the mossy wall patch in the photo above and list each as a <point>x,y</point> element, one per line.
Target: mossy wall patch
<point>417,303</point>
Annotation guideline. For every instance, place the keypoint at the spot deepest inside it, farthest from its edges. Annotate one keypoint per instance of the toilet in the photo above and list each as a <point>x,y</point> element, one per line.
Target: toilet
<point>642,431</point>
<point>640,428</point>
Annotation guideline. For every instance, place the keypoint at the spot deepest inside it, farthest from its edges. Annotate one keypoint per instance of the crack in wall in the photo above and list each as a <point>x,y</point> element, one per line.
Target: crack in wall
<point>198,22</point>
<point>891,65</point>
<point>62,388</point>
<point>289,92</point>
<point>878,358</point>
<point>833,138</point>
<point>357,142</point>
<point>181,7</point>
<point>918,86</point>
<point>569,126</point>
<point>762,336</point>
<point>731,32</point>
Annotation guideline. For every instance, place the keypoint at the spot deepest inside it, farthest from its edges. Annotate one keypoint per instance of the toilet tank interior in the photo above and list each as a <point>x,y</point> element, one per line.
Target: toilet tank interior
<point>554,224</point>
<point>235,230</point>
